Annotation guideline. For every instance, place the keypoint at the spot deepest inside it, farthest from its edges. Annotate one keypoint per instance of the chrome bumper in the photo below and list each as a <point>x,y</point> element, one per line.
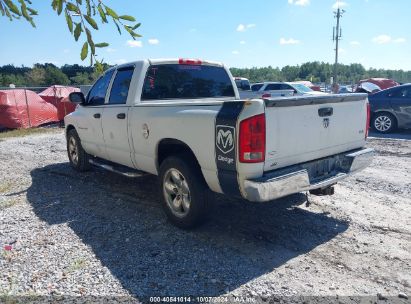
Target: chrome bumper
<point>298,178</point>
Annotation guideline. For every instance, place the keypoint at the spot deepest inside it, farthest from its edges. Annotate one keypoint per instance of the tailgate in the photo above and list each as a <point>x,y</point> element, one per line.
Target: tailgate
<point>301,129</point>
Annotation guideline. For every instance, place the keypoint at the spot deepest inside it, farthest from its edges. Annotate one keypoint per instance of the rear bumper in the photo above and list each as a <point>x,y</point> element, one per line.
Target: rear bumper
<point>304,177</point>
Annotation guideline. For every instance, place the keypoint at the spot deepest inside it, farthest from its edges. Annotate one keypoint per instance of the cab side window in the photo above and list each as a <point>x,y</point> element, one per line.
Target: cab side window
<point>121,85</point>
<point>256,87</point>
<point>273,87</point>
<point>97,94</point>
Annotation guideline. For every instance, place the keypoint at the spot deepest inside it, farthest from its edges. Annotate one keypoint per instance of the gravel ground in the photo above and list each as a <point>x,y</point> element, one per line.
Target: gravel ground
<point>100,234</point>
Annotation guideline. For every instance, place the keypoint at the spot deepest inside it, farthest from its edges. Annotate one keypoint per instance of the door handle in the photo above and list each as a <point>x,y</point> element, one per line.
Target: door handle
<point>121,115</point>
<point>324,112</point>
<point>97,115</point>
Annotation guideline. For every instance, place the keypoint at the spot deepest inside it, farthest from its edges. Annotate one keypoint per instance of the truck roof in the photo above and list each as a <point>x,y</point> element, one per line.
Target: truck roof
<point>157,61</point>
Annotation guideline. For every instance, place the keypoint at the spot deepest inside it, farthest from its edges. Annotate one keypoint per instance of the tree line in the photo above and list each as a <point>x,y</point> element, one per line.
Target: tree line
<point>49,74</point>
<point>317,72</point>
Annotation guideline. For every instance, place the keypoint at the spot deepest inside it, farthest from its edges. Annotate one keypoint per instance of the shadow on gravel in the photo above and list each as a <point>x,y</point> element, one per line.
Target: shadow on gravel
<point>121,221</point>
<point>399,134</point>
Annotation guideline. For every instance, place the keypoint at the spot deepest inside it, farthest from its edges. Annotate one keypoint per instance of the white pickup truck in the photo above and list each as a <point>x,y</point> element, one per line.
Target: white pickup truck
<point>183,121</point>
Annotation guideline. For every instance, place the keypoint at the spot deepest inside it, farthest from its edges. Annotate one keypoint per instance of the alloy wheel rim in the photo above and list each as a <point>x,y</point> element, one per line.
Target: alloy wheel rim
<point>73,150</point>
<point>176,192</point>
<point>383,123</point>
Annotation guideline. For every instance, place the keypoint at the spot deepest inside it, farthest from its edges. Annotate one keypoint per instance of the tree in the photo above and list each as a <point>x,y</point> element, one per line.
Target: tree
<point>55,76</point>
<point>87,11</point>
<point>16,79</point>
<point>73,70</point>
<point>36,77</point>
<point>84,78</point>
<point>290,73</point>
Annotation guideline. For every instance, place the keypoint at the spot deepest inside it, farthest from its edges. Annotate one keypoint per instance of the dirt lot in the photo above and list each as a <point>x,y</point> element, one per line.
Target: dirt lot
<point>104,235</point>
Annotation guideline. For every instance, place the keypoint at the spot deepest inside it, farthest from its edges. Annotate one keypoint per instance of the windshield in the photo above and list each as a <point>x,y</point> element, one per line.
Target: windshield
<point>301,88</point>
<point>243,84</point>
<point>180,81</point>
<point>369,87</point>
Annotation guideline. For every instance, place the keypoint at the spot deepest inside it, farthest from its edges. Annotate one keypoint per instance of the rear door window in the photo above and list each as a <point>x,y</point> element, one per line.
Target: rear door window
<point>121,85</point>
<point>273,87</point>
<point>180,81</point>
<point>285,86</point>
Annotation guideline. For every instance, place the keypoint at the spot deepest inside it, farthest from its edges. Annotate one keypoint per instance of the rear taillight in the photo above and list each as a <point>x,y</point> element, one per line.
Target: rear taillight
<point>252,139</point>
<point>367,126</point>
<point>190,61</point>
<point>266,95</point>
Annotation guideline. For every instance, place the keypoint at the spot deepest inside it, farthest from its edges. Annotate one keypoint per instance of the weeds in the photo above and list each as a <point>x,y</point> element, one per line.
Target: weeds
<point>26,132</point>
<point>5,187</point>
<point>77,265</point>
<point>6,203</point>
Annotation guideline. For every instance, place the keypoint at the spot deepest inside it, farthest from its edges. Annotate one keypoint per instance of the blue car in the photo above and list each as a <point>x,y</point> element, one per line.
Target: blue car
<point>391,109</point>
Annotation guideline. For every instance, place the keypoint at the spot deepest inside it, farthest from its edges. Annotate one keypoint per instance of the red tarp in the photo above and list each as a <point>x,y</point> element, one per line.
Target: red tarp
<point>58,97</point>
<point>24,109</point>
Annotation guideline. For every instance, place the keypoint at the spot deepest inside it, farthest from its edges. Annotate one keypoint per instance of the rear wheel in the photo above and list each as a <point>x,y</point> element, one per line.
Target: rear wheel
<point>384,122</point>
<point>79,159</point>
<point>183,191</point>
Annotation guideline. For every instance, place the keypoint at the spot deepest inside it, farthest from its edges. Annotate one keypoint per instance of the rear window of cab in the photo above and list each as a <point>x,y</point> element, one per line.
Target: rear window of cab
<point>186,81</point>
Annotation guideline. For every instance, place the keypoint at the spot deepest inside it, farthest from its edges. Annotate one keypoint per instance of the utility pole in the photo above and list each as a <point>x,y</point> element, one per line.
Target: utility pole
<point>336,37</point>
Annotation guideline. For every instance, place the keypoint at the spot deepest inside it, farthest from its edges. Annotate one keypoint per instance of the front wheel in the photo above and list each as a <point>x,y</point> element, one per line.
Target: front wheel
<point>183,192</point>
<point>78,158</point>
<point>384,122</point>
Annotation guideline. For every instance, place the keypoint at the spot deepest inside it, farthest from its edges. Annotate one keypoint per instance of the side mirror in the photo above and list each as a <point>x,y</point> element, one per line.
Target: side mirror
<point>77,97</point>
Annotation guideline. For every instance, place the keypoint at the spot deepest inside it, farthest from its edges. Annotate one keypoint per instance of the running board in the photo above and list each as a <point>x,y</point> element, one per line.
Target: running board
<point>120,169</point>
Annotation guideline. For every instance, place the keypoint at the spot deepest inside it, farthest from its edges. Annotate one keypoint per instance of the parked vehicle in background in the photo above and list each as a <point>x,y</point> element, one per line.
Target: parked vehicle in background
<point>310,85</point>
<point>183,120</point>
<point>345,90</point>
<point>301,89</point>
<point>262,90</point>
<point>243,84</point>
<point>373,85</point>
<point>275,89</point>
<point>367,87</point>
<point>391,109</point>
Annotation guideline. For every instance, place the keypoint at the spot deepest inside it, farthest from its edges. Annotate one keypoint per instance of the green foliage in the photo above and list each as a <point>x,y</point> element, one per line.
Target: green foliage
<point>55,76</point>
<point>48,74</point>
<point>84,51</point>
<point>37,76</point>
<point>82,78</point>
<point>319,72</point>
<point>86,12</point>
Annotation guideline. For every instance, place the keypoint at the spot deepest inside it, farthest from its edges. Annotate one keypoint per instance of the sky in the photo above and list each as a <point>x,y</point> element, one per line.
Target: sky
<point>375,33</point>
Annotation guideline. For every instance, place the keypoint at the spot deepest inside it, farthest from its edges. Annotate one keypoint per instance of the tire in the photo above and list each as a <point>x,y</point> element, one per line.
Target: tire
<point>180,177</point>
<point>78,158</point>
<point>384,122</point>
